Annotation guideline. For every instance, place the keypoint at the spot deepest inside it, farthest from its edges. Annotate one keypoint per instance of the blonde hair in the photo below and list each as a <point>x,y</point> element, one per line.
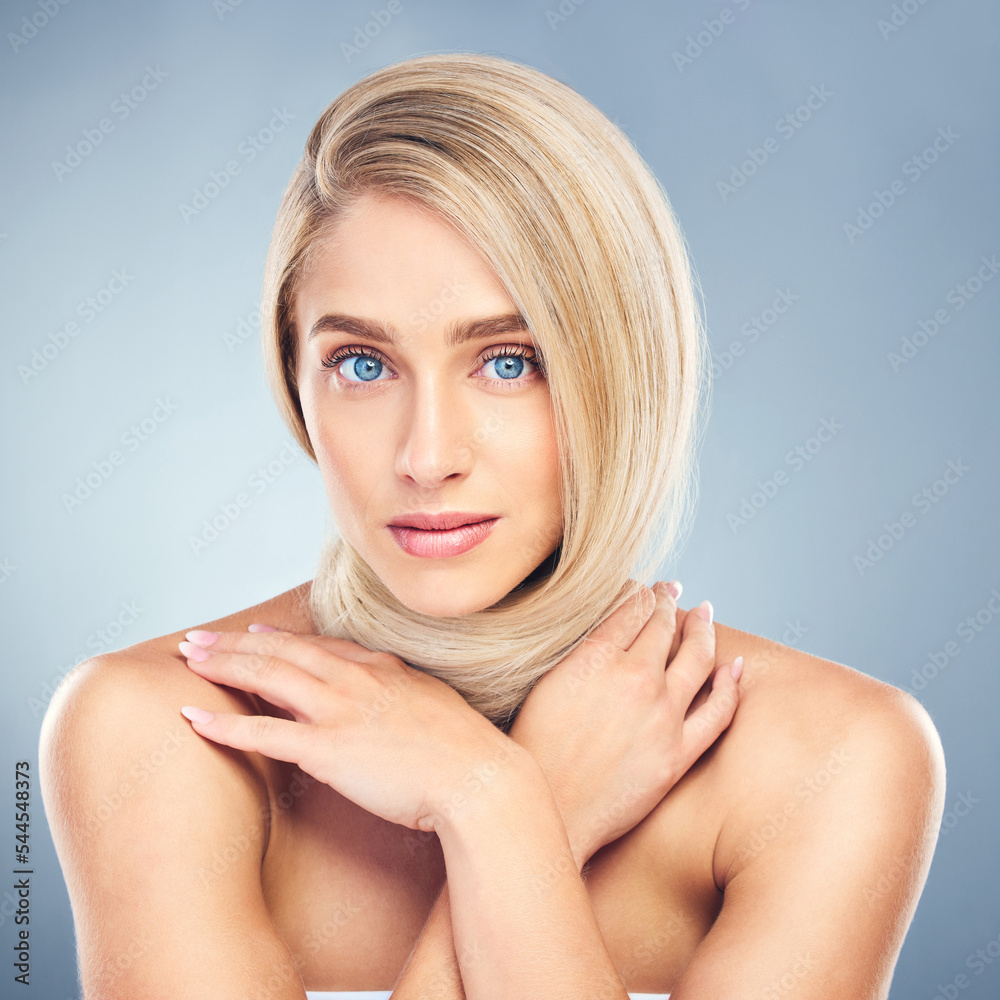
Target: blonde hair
<point>563,208</point>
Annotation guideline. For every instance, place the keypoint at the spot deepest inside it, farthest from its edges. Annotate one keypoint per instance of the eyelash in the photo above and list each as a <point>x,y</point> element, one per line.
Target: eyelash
<point>333,362</point>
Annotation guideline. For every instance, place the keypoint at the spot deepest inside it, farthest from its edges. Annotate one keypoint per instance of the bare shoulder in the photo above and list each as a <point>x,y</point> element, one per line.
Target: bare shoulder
<point>822,803</point>
<point>151,678</point>
<point>126,703</point>
<point>288,610</point>
<point>141,809</point>
<point>809,729</point>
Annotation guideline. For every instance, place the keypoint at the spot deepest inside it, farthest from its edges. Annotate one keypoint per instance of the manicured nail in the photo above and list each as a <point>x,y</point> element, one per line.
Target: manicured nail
<point>676,588</point>
<point>705,610</point>
<point>261,628</point>
<point>737,668</point>
<point>197,714</point>
<point>193,652</point>
<point>201,638</point>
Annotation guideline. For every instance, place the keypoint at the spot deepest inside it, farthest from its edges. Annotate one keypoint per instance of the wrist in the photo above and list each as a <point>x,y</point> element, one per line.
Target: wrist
<point>581,839</point>
<point>492,783</point>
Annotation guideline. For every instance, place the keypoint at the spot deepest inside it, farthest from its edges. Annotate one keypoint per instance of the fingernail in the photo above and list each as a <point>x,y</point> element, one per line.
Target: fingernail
<point>676,588</point>
<point>705,610</point>
<point>197,714</point>
<point>201,638</point>
<point>261,628</point>
<point>193,652</point>
<point>737,668</point>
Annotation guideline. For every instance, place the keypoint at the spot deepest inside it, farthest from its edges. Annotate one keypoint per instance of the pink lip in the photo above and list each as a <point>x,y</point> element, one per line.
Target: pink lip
<point>440,519</point>
<point>430,543</point>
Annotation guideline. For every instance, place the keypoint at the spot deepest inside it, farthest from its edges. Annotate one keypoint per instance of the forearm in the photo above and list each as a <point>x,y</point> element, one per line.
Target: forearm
<point>522,923</point>
<point>432,970</point>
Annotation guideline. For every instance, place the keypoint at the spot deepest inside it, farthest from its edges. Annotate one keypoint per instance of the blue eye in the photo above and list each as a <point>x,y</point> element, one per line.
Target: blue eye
<point>367,369</point>
<point>368,365</point>
<point>509,366</point>
<point>510,362</point>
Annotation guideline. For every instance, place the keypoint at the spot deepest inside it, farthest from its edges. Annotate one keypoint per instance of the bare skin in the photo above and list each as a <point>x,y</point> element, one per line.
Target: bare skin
<point>786,859</point>
<point>283,875</point>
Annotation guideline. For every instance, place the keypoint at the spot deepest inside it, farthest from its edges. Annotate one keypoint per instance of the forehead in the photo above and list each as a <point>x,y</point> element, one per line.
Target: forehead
<point>392,232</point>
<point>392,253</point>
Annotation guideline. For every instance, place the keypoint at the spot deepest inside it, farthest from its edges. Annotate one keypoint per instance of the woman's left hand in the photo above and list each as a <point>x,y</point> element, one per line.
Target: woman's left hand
<point>400,743</point>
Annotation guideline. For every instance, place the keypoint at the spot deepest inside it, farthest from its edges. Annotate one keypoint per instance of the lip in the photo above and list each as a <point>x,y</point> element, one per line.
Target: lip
<point>438,520</point>
<point>440,543</point>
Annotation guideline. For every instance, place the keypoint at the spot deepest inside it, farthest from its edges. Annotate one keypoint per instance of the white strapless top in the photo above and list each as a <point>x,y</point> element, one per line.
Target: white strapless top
<point>385,994</point>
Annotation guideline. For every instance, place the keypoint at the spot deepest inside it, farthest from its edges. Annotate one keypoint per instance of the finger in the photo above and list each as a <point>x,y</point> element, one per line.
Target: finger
<point>653,643</point>
<point>280,739</point>
<point>287,646</point>
<point>342,647</point>
<point>704,725</point>
<point>346,649</point>
<point>622,625</point>
<point>695,657</point>
<point>277,681</point>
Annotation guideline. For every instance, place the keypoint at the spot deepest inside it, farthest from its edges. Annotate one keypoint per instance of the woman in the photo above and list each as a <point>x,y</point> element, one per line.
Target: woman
<point>479,311</point>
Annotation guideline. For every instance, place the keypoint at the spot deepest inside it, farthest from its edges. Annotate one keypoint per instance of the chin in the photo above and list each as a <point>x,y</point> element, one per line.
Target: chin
<point>448,602</point>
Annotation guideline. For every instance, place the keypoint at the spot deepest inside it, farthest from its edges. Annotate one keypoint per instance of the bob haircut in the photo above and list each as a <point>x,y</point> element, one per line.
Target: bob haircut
<point>562,207</point>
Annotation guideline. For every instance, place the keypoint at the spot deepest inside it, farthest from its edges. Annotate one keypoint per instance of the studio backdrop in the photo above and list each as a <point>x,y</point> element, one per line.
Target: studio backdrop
<point>834,170</point>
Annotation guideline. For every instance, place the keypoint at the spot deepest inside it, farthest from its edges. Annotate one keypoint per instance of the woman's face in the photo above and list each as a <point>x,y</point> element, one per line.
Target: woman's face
<point>420,397</point>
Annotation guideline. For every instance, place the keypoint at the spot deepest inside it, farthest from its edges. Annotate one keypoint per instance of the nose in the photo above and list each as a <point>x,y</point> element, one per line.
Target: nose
<point>437,437</point>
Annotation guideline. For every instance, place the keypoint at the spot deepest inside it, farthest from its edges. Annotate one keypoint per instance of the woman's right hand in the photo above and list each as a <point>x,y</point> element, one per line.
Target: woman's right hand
<point>607,724</point>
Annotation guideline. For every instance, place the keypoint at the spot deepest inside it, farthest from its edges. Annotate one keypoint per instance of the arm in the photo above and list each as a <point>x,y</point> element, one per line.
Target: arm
<point>140,810</point>
<point>824,855</point>
<point>521,917</point>
<point>532,930</point>
<point>507,850</point>
<point>433,968</point>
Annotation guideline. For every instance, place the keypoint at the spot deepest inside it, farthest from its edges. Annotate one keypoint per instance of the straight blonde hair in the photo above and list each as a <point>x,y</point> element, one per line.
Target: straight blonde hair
<point>575,225</point>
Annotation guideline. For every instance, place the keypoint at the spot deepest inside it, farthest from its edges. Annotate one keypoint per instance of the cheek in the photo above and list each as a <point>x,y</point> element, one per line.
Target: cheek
<point>347,462</point>
<point>527,457</point>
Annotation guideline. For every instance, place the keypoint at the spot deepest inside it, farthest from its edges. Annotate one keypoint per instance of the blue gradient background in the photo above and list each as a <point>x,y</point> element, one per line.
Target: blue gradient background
<point>788,573</point>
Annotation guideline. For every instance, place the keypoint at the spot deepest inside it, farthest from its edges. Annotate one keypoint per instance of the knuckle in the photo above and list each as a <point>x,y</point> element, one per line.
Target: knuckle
<point>263,728</point>
<point>265,667</point>
<point>701,644</point>
<point>599,651</point>
<point>384,660</point>
<point>275,642</point>
<point>639,682</point>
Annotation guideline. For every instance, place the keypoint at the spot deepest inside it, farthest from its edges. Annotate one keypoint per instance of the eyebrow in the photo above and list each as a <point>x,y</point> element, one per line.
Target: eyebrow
<point>458,333</point>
